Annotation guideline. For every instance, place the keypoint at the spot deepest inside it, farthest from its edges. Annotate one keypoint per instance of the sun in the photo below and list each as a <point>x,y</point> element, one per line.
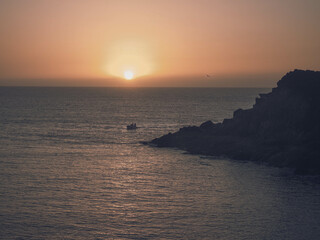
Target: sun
<point>128,74</point>
<point>129,59</point>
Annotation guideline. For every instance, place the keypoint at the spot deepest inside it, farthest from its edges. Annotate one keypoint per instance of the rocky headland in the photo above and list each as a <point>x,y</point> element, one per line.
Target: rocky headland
<point>281,129</point>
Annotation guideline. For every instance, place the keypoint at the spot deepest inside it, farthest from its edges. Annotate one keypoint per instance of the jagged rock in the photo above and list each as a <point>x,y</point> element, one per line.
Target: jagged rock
<point>282,128</point>
<point>207,125</point>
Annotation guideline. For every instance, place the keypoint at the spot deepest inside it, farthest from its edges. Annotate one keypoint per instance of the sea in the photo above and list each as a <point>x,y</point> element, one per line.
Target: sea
<point>69,169</point>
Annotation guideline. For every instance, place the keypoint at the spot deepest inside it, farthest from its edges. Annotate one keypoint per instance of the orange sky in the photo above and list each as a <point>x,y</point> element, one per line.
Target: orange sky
<point>165,43</point>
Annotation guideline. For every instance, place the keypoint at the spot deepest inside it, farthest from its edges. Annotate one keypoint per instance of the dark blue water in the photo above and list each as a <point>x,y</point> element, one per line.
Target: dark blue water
<point>69,169</point>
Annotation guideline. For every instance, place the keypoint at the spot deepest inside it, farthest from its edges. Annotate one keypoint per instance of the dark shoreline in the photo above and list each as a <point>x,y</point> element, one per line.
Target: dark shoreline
<point>281,129</point>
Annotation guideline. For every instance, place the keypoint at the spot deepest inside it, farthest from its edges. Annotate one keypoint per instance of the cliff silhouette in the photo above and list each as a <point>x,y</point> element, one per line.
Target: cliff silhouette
<point>281,129</point>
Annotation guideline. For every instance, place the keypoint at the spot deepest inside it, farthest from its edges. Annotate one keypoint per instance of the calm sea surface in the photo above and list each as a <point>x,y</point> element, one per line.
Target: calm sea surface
<point>69,169</point>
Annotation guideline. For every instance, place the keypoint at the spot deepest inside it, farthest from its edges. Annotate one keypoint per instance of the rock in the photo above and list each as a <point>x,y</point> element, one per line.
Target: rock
<point>282,128</point>
<point>207,125</point>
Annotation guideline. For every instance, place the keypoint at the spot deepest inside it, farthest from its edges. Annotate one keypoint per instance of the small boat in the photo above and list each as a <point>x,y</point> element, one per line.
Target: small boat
<point>132,126</point>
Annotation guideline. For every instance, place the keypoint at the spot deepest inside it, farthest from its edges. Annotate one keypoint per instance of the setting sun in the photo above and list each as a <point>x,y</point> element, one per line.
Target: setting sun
<point>128,75</point>
<point>129,59</point>
<point>160,119</point>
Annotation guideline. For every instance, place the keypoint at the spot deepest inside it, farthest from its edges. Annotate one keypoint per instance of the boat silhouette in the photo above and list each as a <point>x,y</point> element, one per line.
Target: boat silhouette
<point>132,126</point>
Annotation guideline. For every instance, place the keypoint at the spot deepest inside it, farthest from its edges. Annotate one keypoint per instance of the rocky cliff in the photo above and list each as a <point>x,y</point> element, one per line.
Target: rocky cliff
<point>282,128</point>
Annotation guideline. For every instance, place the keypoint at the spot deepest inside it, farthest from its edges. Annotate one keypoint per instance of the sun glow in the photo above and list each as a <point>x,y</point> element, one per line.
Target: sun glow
<point>129,60</point>
<point>128,75</point>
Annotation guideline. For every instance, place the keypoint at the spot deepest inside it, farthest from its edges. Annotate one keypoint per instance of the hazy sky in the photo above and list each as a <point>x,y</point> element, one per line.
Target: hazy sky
<point>161,42</point>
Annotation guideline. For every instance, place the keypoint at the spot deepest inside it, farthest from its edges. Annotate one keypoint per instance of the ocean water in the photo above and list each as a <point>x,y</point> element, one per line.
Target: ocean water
<point>69,169</point>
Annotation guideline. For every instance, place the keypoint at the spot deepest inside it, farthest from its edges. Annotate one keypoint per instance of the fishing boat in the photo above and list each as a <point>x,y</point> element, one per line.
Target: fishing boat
<point>132,126</point>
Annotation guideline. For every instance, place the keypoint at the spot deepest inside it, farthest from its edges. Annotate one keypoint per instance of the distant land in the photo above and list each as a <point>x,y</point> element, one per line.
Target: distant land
<point>262,80</point>
<point>281,129</point>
